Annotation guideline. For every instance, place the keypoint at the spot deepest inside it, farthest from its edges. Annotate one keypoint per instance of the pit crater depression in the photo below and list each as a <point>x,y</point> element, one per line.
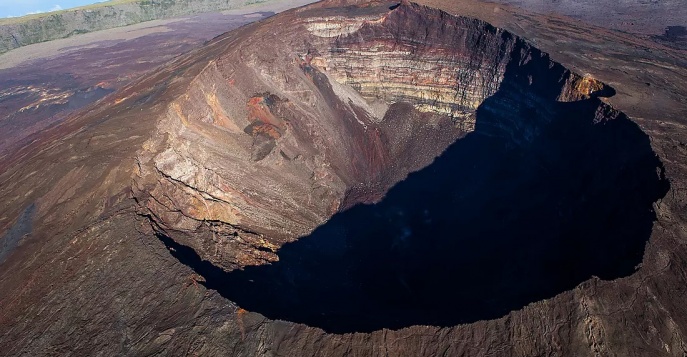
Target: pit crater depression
<point>542,195</point>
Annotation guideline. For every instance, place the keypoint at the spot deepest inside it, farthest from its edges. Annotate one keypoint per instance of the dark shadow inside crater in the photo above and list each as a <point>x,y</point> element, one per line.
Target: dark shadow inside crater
<point>540,197</point>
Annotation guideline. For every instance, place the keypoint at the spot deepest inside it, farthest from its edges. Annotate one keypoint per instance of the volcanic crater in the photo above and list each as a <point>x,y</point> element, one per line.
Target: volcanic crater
<point>391,166</point>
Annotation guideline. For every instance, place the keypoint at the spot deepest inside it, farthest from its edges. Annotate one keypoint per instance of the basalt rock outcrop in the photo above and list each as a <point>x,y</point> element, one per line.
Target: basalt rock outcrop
<point>348,171</point>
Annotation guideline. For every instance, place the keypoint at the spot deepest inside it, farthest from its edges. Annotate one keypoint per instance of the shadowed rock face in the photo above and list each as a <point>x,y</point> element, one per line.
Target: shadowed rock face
<point>537,184</point>
<point>487,228</point>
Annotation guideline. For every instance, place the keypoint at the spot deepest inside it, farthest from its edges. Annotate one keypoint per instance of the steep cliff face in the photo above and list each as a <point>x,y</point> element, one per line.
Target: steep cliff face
<point>21,32</point>
<point>439,63</point>
<point>339,107</point>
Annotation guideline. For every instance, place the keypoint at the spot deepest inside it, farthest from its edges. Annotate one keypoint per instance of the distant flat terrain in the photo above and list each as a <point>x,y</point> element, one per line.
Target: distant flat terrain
<point>639,16</point>
<point>36,28</point>
<point>41,84</point>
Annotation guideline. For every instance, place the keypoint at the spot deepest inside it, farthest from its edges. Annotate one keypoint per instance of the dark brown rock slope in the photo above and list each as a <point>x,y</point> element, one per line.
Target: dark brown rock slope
<point>340,179</point>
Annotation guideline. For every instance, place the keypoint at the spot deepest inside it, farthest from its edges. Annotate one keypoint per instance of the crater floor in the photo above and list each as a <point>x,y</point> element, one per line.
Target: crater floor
<point>539,186</point>
<point>486,229</point>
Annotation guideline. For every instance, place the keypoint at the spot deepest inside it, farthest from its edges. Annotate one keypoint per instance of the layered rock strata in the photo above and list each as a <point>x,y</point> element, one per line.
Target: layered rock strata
<point>268,144</point>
